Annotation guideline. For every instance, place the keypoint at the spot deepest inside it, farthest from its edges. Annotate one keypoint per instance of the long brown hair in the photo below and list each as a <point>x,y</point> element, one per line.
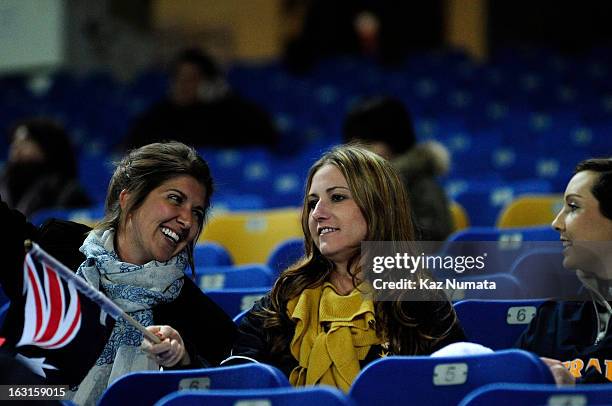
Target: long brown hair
<point>382,198</point>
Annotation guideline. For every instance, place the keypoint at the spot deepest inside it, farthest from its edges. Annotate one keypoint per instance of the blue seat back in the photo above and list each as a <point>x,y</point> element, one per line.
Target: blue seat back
<point>235,301</point>
<point>146,387</point>
<point>502,245</point>
<point>209,253</point>
<point>232,277</point>
<point>496,324</point>
<point>506,394</point>
<point>320,396</point>
<point>542,275</point>
<point>424,380</point>
<point>285,254</point>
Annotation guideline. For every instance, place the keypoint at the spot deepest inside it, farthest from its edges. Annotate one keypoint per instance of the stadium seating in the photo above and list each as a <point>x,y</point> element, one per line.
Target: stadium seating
<point>146,387</point>
<point>319,395</point>
<point>250,237</point>
<point>501,245</point>
<point>424,380</point>
<point>235,301</point>
<point>460,218</point>
<point>286,253</point>
<point>208,253</point>
<point>541,274</point>
<point>505,394</point>
<point>496,324</point>
<point>230,277</point>
<point>530,210</point>
<point>87,216</point>
<point>483,200</point>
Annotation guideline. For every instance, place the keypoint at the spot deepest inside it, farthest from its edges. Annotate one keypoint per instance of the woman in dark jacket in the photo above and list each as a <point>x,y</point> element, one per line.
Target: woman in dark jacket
<point>155,210</point>
<point>576,336</point>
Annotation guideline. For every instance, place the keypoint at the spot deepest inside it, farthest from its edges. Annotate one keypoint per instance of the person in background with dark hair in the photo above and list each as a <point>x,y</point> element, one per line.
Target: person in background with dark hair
<point>41,171</point>
<point>201,110</point>
<point>575,336</point>
<point>385,127</point>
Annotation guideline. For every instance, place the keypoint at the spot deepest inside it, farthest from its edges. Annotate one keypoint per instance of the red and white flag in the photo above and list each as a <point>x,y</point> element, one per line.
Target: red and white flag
<point>66,322</point>
<point>52,309</point>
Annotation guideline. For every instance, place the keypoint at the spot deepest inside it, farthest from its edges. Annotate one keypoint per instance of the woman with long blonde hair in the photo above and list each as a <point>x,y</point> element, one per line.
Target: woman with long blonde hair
<point>317,324</point>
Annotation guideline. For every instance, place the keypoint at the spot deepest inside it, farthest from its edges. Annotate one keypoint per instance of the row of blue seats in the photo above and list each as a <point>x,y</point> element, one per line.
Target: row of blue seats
<point>242,176</point>
<point>492,95</point>
<point>506,377</point>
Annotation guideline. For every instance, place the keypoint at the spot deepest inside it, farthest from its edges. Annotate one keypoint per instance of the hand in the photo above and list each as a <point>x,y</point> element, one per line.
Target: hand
<point>561,374</point>
<point>170,351</point>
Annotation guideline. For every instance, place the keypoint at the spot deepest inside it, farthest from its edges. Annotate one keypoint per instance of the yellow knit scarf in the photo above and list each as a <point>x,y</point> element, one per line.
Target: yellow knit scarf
<point>333,333</point>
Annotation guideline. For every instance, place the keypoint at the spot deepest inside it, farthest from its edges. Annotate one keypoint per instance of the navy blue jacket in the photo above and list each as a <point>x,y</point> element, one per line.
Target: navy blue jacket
<point>567,331</point>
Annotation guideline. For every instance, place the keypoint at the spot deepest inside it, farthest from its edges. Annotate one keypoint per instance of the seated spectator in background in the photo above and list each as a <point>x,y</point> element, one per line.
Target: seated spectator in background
<point>201,110</point>
<point>575,336</point>
<point>41,171</point>
<point>384,125</point>
<point>137,255</point>
<point>315,324</point>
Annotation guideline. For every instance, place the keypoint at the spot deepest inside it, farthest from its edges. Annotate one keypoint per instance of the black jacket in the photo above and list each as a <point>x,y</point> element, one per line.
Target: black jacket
<point>207,331</point>
<point>567,331</point>
<point>252,341</point>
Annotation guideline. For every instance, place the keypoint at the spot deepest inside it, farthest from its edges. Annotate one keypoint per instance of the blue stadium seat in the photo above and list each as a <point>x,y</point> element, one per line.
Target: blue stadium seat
<point>502,245</point>
<point>320,396</point>
<point>285,254</point>
<point>424,380</point>
<point>147,387</point>
<point>210,253</point>
<point>506,394</point>
<point>542,275</point>
<point>496,324</point>
<point>235,201</point>
<point>232,277</point>
<point>234,301</point>
<point>484,200</point>
<point>89,215</point>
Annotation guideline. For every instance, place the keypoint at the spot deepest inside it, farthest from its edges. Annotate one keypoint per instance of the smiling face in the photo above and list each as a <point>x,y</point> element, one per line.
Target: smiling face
<point>335,222</point>
<point>168,219</point>
<point>580,221</point>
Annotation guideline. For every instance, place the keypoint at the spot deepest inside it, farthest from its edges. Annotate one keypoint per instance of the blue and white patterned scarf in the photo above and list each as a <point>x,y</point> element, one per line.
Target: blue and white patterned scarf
<point>134,288</point>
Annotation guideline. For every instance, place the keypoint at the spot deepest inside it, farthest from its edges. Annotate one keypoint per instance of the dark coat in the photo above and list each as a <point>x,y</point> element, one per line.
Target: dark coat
<point>567,331</point>
<point>229,121</point>
<point>419,169</point>
<point>207,331</point>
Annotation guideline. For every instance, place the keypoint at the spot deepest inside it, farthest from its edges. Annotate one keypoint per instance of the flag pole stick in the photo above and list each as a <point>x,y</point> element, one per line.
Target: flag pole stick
<point>92,293</point>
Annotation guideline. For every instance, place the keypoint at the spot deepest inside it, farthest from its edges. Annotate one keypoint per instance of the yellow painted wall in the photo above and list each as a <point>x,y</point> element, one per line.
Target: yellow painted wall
<point>246,29</point>
<point>466,26</point>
